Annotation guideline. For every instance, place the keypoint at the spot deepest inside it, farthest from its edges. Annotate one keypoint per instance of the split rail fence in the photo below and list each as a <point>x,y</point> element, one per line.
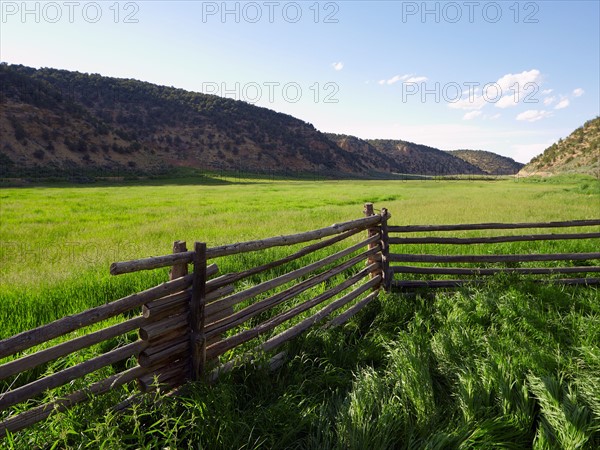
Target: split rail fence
<point>200,324</point>
<point>482,263</point>
<point>197,325</point>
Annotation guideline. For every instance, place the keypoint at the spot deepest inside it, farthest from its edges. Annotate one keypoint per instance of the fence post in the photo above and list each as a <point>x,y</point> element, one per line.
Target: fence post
<point>385,250</point>
<point>198,341</point>
<point>178,270</point>
<point>370,233</point>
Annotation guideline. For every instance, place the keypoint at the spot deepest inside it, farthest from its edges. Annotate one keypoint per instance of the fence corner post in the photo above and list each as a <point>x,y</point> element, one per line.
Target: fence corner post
<point>177,271</point>
<point>197,303</point>
<point>385,250</point>
<point>373,231</point>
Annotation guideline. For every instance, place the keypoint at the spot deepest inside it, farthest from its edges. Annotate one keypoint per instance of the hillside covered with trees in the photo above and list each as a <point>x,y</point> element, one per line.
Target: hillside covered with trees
<point>490,163</point>
<point>406,157</point>
<point>416,158</point>
<point>577,153</point>
<point>57,121</point>
<point>61,120</point>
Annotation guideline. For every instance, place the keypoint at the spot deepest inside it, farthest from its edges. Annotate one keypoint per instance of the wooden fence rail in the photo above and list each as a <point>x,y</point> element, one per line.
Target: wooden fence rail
<point>492,226</point>
<point>20,365</point>
<point>411,257</point>
<point>186,325</point>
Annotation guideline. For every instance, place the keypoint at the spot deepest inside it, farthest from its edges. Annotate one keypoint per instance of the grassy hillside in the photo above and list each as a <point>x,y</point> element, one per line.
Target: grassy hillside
<point>578,153</point>
<point>489,162</point>
<point>506,365</point>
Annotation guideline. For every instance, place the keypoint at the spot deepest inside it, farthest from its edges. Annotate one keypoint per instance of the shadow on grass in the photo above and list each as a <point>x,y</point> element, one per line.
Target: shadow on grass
<point>185,177</point>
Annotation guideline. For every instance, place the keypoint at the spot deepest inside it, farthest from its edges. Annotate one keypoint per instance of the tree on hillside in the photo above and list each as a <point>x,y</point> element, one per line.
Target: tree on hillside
<point>20,133</point>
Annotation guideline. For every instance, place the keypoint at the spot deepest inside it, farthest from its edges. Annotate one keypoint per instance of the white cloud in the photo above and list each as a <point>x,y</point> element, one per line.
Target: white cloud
<point>512,82</point>
<point>509,90</point>
<point>416,79</point>
<point>549,100</point>
<point>470,102</point>
<point>471,115</point>
<point>471,90</point>
<point>382,82</point>
<point>406,78</point>
<point>547,91</point>
<point>533,115</point>
<point>338,65</point>
<point>531,76</point>
<point>517,88</point>
<point>578,92</point>
<point>495,116</point>
<point>562,104</point>
<point>394,79</point>
<point>506,102</point>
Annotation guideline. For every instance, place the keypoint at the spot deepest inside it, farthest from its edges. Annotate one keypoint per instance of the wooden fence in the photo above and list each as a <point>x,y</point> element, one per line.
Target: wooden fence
<point>196,325</point>
<point>445,265</point>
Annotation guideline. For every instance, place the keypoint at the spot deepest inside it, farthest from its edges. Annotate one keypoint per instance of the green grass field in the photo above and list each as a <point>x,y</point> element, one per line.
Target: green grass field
<point>510,364</point>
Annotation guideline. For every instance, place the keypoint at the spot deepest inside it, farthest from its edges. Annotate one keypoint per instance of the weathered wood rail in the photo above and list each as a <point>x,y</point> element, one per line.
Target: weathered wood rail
<point>437,264</point>
<point>195,325</point>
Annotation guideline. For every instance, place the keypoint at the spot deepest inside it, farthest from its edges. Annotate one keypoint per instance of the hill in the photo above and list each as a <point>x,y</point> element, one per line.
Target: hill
<point>57,120</point>
<point>361,148</point>
<point>578,153</point>
<point>416,158</point>
<point>490,163</point>
<point>405,157</point>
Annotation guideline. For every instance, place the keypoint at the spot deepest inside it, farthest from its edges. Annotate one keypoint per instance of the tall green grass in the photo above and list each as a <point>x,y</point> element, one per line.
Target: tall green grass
<point>510,364</point>
<point>55,238</point>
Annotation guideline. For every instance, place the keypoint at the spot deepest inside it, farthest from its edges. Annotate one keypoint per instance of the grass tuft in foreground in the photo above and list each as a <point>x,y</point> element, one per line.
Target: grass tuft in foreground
<point>508,365</point>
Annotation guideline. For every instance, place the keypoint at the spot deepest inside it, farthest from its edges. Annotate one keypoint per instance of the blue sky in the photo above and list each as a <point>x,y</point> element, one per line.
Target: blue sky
<point>510,77</point>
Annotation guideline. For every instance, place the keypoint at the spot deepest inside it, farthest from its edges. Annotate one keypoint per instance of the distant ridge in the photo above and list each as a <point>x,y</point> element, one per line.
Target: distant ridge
<point>416,158</point>
<point>55,121</point>
<point>360,147</point>
<point>405,157</point>
<point>490,163</point>
<point>578,153</point>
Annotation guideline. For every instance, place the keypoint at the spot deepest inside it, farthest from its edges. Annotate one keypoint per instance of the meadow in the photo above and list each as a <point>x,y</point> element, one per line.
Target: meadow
<point>510,364</point>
